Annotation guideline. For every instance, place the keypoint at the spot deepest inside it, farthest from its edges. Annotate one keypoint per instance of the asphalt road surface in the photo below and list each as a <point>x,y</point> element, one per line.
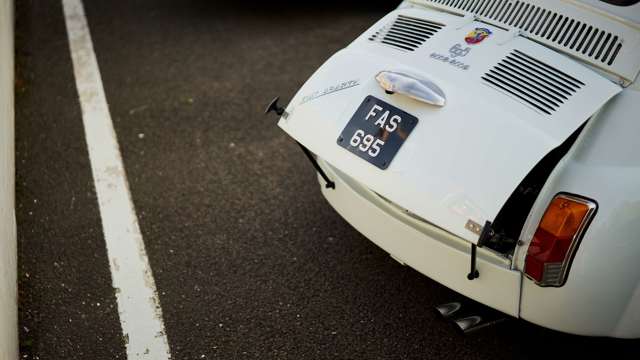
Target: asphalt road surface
<point>248,259</point>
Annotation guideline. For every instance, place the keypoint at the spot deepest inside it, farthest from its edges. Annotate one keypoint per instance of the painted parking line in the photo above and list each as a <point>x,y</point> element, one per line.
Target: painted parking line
<point>136,295</point>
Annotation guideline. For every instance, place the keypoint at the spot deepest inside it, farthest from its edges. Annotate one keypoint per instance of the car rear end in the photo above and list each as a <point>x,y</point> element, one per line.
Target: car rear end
<point>440,126</point>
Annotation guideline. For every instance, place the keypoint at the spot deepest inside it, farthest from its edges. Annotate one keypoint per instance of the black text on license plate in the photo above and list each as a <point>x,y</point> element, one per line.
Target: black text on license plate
<point>376,131</point>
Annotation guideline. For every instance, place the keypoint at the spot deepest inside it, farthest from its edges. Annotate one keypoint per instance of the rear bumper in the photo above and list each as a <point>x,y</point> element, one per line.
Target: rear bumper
<point>430,250</point>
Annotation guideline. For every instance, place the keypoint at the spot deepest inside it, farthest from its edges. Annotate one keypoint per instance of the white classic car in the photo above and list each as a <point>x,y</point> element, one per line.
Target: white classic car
<point>492,145</point>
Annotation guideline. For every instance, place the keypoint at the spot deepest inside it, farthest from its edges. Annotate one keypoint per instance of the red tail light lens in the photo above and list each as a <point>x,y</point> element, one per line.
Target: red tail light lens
<point>556,239</point>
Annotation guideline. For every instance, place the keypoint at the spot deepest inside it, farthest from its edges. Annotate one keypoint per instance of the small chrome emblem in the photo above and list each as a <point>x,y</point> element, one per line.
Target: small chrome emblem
<point>457,50</point>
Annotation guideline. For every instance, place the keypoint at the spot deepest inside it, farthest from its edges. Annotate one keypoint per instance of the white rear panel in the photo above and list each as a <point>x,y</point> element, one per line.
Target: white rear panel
<point>602,39</point>
<point>463,160</point>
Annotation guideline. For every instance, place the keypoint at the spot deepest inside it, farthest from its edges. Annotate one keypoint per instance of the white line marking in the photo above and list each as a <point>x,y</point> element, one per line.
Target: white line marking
<point>137,298</point>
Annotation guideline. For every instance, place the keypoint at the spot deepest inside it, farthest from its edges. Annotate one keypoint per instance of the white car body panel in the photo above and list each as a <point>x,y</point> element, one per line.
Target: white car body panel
<point>426,248</point>
<point>602,294</point>
<point>457,146</point>
<point>629,13</point>
<point>557,23</point>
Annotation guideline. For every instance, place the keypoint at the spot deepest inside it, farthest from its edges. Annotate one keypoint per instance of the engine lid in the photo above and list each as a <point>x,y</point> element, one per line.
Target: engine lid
<point>509,101</point>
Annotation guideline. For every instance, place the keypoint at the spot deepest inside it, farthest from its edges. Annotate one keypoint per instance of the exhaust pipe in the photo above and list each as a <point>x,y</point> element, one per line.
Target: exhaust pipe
<point>467,323</point>
<point>472,323</point>
<point>448,309</point>
<point>474,316</point>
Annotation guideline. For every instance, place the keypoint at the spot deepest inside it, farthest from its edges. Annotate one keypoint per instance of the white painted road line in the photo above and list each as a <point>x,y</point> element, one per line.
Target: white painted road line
<point>137,298</point>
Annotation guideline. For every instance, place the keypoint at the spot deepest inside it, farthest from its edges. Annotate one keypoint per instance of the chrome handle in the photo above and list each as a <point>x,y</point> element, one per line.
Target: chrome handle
<point>415,87</point>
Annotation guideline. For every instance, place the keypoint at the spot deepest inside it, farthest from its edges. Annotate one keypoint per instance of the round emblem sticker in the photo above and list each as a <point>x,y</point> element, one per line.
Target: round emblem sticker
<point>476,36</point>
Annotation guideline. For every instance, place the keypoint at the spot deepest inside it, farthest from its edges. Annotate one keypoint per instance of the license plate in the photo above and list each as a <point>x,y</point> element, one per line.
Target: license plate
<point>377,131</point>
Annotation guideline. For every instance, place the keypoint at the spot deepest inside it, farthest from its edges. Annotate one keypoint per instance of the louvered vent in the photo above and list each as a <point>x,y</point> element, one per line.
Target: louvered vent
<point>560,29</point>
<point>535,83</point>
<point>407,33</point>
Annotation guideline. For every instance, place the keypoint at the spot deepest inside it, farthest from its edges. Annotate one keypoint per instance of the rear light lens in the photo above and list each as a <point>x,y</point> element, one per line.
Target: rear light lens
<point>556,239</point>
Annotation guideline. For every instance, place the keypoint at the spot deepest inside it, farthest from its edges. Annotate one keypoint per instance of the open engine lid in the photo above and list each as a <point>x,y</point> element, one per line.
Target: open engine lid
<point>509,101</point>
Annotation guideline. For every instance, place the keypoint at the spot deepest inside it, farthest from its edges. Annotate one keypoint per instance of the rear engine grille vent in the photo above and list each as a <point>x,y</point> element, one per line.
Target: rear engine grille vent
<point>563,30</point>
<point>533,82</point>
<point>407,33</point>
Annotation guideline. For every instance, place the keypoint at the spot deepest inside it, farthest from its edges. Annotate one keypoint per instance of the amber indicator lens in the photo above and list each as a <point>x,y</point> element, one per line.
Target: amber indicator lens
<point>554,241</point>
